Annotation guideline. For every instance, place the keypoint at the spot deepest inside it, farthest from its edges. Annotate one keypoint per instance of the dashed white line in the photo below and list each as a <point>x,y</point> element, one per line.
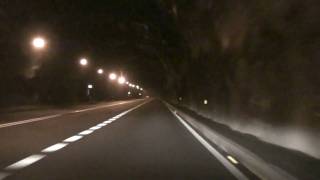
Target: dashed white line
<point>95,128</point>
<point>102,124</point>
<point>36,157</point>
<point>25,162</point>
<point>86,132</point>
<point>73,139</point>
<point>54,148</point>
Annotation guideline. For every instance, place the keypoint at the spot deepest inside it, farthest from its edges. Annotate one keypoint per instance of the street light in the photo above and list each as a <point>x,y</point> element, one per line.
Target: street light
<point>38,43</point>
<point>121,80</point>
<point>90,86</point>
<point>129,93</point>
<point>100,71</point>
<point>112,76</point>
<point>83,62</point>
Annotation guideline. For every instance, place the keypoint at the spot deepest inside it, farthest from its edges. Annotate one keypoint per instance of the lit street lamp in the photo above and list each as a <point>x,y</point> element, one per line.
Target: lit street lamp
<point>121,80</point>
<point>83,62</point>
<point>100,71</point>
<point>38,43</point>
<point>112,76</point>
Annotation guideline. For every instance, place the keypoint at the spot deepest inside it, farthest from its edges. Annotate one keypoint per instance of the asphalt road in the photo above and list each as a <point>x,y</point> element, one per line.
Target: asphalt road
<point>146,142</point>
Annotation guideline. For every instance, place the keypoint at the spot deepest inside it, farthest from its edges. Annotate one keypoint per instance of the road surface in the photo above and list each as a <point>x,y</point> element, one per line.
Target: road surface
<point>136,140</point>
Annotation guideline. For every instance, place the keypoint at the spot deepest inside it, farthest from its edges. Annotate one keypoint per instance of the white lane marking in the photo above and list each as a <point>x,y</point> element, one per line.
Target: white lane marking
<point>86,132</point>
<point>54,148</point>
<point>238,174</point>
<point>73,139</point>
<point>102,124</point>
<point>3,175</point>
<point>25,162</point>
<point>34,158</point>
<point>57,115</point>
<point>233,160</point>
<point>29,121</point>
<point>99,107</point>
<point>95,128</point>
<point>107,122</point>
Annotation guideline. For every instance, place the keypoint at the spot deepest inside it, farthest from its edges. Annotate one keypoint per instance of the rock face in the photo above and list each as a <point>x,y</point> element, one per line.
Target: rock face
<point>256,63</point>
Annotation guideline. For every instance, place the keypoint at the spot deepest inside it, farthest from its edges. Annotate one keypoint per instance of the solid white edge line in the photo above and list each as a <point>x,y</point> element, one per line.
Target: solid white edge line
<point>57,115</point>
<point>3,175</point>
<point>29,121</point>
<point>237,173</point>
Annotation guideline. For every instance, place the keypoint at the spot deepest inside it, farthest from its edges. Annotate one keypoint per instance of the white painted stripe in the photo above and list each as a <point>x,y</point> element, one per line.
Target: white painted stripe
<point>99,107</point>
<point>25,162</point>
<point>95,128</point>
<point>86,132</point>
<point>238,174</point>
<point>57,115</point>
<point>34,158</point>
<point>73,139</point>
<point>54,148</point>
<point>3,175</point>
<point>29,121</point>
<point>102,124</point>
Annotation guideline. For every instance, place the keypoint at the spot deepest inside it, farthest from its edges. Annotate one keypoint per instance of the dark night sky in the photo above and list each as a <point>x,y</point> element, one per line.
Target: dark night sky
<point>112,34</point>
